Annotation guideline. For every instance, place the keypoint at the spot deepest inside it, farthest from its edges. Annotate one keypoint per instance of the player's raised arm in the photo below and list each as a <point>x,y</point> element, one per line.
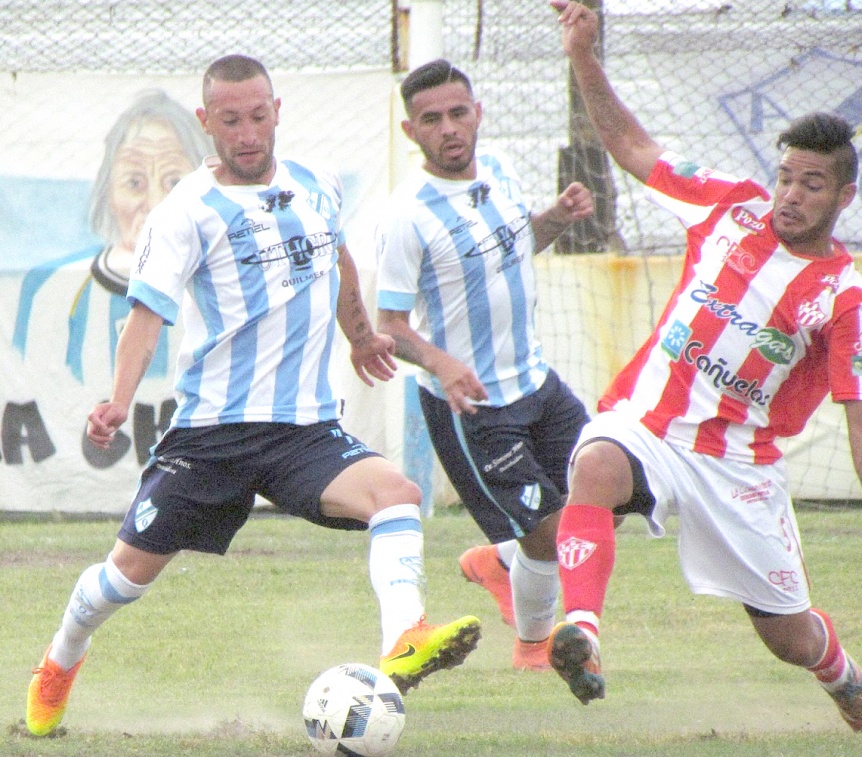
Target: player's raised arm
<point>621,133</point>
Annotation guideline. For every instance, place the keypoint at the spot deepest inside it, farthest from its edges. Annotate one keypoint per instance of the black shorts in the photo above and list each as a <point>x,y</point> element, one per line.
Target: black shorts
<point>509,464</point>
<point>199,486</point>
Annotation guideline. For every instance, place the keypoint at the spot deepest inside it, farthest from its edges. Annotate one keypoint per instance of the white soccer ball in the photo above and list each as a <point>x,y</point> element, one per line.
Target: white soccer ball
<point>354,709</point>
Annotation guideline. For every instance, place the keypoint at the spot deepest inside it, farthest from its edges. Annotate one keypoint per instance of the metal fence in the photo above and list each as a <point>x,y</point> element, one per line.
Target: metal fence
<point>713,79</point>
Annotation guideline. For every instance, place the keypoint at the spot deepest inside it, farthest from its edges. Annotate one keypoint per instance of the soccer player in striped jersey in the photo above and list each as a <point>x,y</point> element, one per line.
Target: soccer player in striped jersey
<point>456,245</point>
<point>765,321</point>
<point>251,248</point>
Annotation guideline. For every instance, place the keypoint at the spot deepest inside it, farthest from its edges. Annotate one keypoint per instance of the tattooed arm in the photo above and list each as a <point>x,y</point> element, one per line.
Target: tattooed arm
<point>370,352</point>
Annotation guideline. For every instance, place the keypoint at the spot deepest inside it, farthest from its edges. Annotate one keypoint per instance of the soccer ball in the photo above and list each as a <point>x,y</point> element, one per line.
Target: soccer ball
<point>354,709</point>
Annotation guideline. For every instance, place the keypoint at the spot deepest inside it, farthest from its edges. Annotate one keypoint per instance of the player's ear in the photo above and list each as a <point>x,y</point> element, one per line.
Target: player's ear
<point>276,104</point>
<point>407,128</point>
<point>478,112</point>
<point>846,195</point>
<point>202,117</point>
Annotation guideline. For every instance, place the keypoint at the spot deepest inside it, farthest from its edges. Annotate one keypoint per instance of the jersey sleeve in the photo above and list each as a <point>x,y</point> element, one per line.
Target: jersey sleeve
<point>330,182</point>
<point>845,347</point>
<point>692,192</point>
<point>399,262</point>
<point>167,252</point>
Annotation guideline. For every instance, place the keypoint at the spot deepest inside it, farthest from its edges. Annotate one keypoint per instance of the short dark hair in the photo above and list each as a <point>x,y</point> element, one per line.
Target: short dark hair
<point>828,134</point>
<point>233,68</point>
<point>430,75</point>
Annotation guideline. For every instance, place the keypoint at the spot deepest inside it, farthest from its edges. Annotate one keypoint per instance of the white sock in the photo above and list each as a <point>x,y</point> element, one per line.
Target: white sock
<point>395,564</point>
<point>584,616</point>
<point>100,592</point>
<point>506,551</point>
<point>535,586</point>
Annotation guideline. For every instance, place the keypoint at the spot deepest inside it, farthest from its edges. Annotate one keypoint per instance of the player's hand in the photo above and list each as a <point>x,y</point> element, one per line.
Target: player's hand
<point>372,358</point>
<point>104,421</point>
<point>575,203</point>
<point>580,26</point>
<point>461,384</point>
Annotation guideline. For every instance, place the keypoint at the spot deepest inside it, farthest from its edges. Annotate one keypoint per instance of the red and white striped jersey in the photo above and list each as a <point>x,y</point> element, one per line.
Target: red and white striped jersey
<point>753,337</point>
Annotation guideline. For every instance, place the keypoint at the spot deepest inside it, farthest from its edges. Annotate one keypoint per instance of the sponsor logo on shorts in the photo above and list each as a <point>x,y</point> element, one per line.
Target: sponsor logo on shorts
<point>506,460</point>
<point>786,580</point>
<point>145,514</point>
<point>755,493</point>
<point>170,465</point>
<point>574,552</point>
<point>356,447</point>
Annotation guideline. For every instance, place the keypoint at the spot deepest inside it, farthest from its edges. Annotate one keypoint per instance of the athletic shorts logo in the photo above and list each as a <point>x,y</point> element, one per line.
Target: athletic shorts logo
<point>531,496</point>
<point>574,552</point>
<point>145,514</point>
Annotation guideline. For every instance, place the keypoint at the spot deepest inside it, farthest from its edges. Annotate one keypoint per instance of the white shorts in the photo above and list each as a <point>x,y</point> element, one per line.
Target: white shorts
<point>738,535</point>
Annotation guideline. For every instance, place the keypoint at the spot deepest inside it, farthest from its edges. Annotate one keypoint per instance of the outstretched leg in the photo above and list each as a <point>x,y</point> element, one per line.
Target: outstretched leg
<point>101,590</point>
<point>808,639</point>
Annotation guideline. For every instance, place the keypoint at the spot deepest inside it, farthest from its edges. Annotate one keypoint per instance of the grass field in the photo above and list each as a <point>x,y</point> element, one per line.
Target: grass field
<point>215,660</point>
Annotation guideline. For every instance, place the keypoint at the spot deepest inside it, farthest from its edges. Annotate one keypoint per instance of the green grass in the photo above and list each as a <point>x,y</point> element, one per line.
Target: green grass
<point>215,660</point>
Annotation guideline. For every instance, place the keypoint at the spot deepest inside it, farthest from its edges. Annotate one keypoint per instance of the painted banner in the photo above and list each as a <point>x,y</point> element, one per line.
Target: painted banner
<point>84,159</point>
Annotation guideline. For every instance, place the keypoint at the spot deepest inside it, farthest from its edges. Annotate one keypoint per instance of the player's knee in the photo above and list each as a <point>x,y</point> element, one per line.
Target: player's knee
<point>394,488</point>
<point>600,475</point>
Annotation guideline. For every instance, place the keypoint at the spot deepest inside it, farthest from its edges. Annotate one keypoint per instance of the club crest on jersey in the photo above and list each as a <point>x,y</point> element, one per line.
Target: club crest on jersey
<point>479,194</point>
<point>574,552</point>
<point>280,200</point>
<point>810,314</point>
<point>145,514</point>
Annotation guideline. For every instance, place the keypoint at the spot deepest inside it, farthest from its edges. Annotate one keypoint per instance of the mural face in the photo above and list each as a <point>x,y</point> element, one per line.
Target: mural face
<point>148,164</point>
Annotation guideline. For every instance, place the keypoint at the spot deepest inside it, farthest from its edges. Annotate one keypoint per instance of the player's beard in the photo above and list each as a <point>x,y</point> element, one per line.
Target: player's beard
<point>453,165</point>
<point>254,173</point>
<point>805,232</point>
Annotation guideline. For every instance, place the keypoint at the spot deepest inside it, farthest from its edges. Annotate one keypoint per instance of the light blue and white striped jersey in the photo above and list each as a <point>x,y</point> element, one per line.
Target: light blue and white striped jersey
<point>460,254</point>
<point>254,270</point>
